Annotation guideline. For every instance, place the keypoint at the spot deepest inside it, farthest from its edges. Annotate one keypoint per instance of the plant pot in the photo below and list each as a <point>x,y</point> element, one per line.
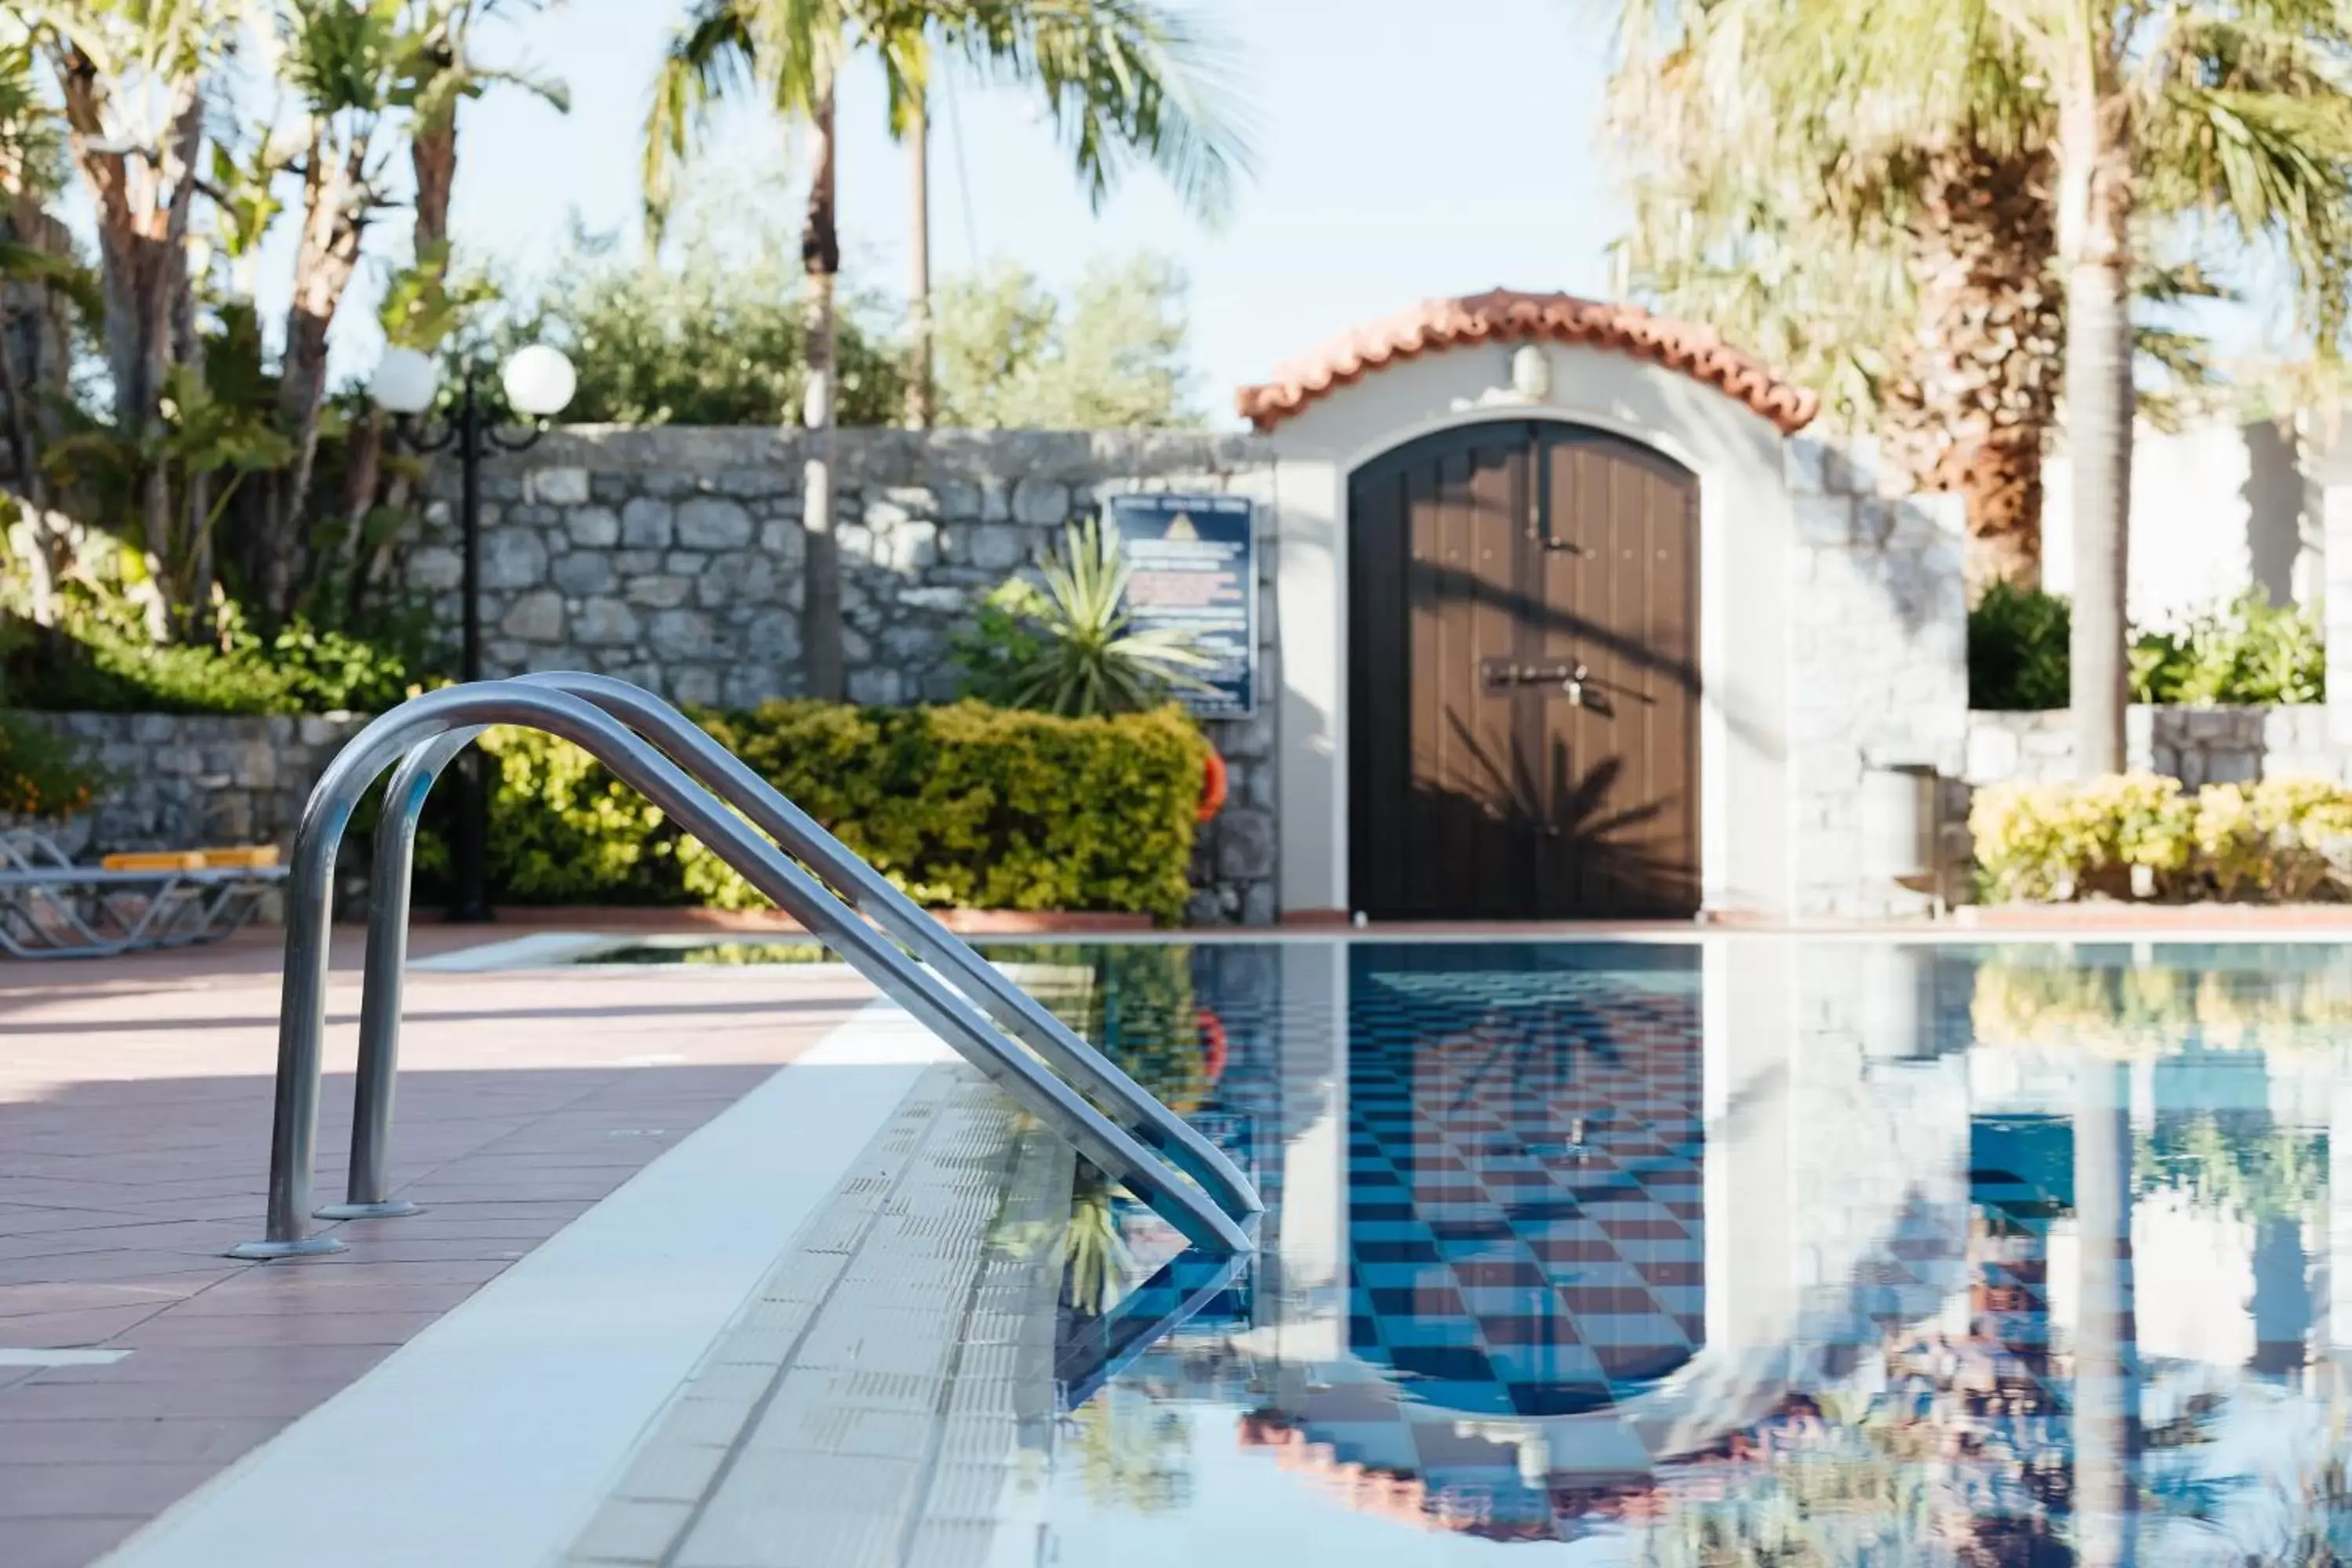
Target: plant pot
<point>1213,783</point>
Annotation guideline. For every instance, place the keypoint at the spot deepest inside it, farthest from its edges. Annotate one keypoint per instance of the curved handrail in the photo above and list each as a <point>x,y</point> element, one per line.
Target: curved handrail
<point>301,1025</point>
<point>800,836</point>
<point>366,1196</point>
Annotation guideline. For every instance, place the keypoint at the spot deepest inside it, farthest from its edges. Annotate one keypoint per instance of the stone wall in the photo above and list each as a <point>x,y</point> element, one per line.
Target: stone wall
<point>673,558</point>
<point>2196,745</point>
<point>186,781</point>
<point>1877,663</point>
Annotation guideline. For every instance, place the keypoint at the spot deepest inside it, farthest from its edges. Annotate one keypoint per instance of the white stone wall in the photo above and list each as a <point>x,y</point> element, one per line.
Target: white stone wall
<point>1877,663</point>
<point>2196,745</point>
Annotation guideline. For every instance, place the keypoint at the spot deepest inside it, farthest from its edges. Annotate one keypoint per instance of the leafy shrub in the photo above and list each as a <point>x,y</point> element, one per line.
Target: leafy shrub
<point>2017,649</point>
<point>42,773</point>
<point>964,804</point>
<point>564,831</point>
<point>2251,651</point>
<point>2274,840</point>
<point>982,807</point>
<point>94,665</point>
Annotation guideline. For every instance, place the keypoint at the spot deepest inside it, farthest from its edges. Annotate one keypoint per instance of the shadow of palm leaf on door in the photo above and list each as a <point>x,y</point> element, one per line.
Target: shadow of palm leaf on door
<point>1562,834</point>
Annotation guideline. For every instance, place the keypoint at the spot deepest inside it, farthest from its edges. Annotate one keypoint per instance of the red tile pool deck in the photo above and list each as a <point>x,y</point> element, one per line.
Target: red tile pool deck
<point>134,1117</point>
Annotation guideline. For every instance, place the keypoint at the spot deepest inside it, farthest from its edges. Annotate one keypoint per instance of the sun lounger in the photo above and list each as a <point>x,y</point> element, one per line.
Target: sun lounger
<point>51,907</point>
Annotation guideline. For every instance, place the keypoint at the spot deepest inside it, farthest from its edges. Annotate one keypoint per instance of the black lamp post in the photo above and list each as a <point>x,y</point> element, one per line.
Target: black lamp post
<point>538,381</point>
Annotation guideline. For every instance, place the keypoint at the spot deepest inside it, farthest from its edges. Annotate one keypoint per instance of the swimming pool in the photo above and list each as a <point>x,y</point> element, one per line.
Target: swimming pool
<point>1720,1252</point>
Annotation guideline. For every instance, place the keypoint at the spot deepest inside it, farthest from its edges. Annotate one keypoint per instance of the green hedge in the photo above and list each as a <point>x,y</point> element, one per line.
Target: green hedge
<point>964,804</point>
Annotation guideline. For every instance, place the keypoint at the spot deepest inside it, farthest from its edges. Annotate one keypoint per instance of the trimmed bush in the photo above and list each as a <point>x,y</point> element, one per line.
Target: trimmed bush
<point>2139,835</point>
<point>564,831</point>
<point>964,805</point>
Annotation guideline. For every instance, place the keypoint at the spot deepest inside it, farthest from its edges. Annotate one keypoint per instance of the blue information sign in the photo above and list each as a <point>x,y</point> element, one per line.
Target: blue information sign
<point>1194,559</point>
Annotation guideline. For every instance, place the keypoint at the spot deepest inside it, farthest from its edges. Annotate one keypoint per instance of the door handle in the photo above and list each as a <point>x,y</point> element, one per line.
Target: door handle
<point>1572,678</point>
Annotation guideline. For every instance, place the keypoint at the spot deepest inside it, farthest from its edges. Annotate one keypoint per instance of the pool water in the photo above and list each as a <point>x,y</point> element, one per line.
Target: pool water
<point>1724,1252</point>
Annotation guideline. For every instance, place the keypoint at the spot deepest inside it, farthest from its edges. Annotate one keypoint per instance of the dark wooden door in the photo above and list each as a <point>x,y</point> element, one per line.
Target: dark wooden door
<point>1523,724</point>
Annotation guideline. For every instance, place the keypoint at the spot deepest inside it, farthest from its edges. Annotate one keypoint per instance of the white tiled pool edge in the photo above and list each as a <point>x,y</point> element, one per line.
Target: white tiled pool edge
<point>488,1437</point>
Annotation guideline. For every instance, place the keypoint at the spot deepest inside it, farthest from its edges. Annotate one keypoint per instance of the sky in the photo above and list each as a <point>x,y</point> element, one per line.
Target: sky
<point>1403,150</point>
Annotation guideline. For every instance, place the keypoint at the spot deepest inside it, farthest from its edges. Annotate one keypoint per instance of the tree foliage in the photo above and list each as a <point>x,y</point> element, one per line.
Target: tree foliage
<point>226,466</point>
<point>710,332</point>
<point>1014,354</point>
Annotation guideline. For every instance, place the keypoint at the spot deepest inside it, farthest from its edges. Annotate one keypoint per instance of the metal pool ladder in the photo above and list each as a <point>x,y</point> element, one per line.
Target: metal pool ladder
<point>806,871</point>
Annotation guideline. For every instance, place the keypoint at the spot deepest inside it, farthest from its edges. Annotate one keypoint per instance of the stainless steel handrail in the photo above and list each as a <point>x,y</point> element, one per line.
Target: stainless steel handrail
<point>365,1194</point>
<point>302,1008</point>
<point>855,883</point>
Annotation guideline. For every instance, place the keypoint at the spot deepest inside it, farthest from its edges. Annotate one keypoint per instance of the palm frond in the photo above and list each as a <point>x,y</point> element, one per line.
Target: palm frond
<point>712,55</point>
<point>1124,81</point>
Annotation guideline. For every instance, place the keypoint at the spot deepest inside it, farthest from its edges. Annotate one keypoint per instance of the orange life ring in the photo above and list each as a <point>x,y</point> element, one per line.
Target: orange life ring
<point>1214,1047</point>
<point>1212,788</point>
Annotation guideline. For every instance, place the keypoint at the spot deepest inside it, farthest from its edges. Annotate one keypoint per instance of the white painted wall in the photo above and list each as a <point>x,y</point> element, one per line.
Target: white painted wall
<point>2215,510</point>
<point>1745,535</point>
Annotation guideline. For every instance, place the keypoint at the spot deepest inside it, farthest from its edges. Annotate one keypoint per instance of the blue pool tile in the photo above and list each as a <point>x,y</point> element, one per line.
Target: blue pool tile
<point>1532,1363</point>
<point>1431,1330</point>
<point>1481,1398</point>
<point>1401,1276</point>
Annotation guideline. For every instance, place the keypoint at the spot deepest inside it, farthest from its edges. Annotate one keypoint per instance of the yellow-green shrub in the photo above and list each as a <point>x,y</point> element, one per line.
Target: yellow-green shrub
<point>982,807</point>
<point>2268,840</point>
<point>564,831</point>
<point>2056,841</point>
<point>964,804</point>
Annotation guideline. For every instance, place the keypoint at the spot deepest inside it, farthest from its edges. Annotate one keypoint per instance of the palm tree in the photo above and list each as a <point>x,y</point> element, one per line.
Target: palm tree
<point>1909,280</point>
<point>1122,80</point>
<point>2229,126</point>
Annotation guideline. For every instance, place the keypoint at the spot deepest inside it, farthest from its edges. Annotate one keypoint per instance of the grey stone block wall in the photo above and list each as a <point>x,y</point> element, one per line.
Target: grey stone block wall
<point>192,781</point>
<point>1878,666</point>
<point>673,557</point>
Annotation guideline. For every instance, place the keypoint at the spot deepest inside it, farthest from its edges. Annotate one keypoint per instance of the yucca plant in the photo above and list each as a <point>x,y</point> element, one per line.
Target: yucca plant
<point>1069,648</point>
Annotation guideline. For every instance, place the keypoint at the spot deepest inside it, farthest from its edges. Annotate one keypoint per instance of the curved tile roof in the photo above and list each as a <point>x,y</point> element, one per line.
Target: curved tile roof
<point>1504,315</point>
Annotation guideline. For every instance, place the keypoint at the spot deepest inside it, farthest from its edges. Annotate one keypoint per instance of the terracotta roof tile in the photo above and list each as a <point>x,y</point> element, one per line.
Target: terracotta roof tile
<point>1504,315</point>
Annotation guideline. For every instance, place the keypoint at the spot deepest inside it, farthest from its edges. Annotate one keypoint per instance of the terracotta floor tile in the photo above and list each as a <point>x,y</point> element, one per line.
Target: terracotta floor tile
<point>284,1329</point>
<point>98,1489</point>
<point>258,1356</point>
<point>90,1326</point>
<point>62,1542</point>
<point>189,1440</point>
<point>134,1117</point>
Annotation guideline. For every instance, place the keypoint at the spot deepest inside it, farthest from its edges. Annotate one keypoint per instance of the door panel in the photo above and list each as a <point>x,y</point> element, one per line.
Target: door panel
<point>1523,701</point>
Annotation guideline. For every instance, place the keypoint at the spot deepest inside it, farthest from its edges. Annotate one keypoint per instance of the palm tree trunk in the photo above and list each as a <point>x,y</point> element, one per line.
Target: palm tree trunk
<point>2000,480</point>
<point>821,636</point>
<point>2095,164</point>
<point>919,408</point>
<point>433,160</point>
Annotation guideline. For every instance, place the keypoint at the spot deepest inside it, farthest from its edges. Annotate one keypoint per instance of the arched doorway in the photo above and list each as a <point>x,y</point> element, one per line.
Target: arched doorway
<point>1523,669</point>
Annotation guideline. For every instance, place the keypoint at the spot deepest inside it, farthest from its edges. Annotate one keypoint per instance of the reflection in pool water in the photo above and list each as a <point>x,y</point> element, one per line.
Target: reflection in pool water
<point>1743,1252</point>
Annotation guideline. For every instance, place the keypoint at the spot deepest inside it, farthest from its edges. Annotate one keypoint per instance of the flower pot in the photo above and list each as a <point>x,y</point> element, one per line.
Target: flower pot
<point>1213,783</point>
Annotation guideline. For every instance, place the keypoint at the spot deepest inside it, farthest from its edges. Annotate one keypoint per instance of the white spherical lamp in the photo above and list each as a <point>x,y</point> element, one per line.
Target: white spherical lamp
<point>405,382</point>
<point>538,381</point>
